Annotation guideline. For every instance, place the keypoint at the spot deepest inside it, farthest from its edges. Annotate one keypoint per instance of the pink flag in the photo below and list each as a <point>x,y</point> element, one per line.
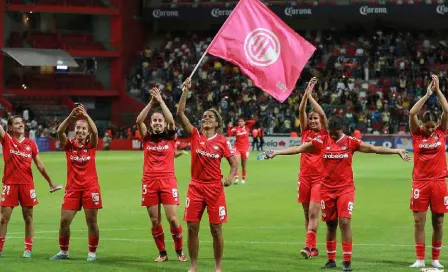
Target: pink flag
<point>264,47</point>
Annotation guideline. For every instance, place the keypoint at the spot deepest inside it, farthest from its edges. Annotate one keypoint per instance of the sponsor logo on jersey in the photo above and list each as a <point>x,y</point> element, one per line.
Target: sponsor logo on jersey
<point>430,146</point>
<point>19,153</point>
<point>80,158</point>
<point>158,148</point>
<point>207,154</point>
<point>336,156</point>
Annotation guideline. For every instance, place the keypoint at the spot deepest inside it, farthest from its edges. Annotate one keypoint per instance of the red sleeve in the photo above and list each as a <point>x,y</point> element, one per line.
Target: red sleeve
<point>354,143</point>
<point>318,143</point>
<point>228,149</point>
<point>250,123</point>
<point>6,138</point>
<point>194,134</point>
<point>230,131</point>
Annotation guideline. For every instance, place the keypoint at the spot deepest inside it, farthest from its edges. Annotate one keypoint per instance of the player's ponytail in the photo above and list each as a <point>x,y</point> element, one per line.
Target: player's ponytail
<point>219,120</point>
<point>430,116</point>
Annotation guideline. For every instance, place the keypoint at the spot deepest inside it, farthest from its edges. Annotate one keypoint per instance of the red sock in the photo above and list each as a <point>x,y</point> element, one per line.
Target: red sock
<point>436,247</point>
<point>64,242</point>
<point>310,239</point>
<point>420,251</point>
<point>177,237</point>
<point>331,250</point>
<point>93,243</point>
<point>159,237</point>
<point>244,175</point>
<point>2,242</point>
<point>28,244</point>
<point>347,251</point>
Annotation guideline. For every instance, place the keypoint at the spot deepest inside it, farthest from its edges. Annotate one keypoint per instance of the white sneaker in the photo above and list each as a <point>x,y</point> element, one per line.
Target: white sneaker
<point>436,264</point>
<point>235,182</point>
<point>418,264</point>
<point>27,254</point>
<point>91,257</point>
<point>243,181</point>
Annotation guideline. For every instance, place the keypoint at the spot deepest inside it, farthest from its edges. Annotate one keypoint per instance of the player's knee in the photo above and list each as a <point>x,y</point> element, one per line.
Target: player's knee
<point>216,230</point>
<point>419,222</point>
<point>437,220</point>
<point>193,228</point>
<point>344,224</point>
<point>5,219</point>
<point>332,225</point>
<point>28,219</point>
<point>172,219</point>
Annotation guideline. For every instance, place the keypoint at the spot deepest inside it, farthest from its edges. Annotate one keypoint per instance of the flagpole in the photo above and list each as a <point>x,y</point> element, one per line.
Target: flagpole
<point>217,34</point>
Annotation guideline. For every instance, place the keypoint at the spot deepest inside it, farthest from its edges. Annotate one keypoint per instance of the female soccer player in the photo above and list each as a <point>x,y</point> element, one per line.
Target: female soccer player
<point>430,171</point>
<point>208,147</point>
<point>311,169</point>
<point>337,189</point>
<point>18,183</point>
<point>82,189</point>
<point>159,179</point>
<point>242,145</point>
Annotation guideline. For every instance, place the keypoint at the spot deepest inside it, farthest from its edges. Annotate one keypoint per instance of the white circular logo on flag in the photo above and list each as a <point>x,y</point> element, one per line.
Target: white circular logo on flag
<point>262,47</point>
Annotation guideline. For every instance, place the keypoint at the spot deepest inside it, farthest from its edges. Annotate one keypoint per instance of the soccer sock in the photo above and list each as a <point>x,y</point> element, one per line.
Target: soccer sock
<point>93,243</point>
<point>310,239</point>
<point>64,242</point>
<point>236,175</point>
<point>2,242</point>
<point>436,247</point>
<point>420,251</point>
<point>331,250</point>
<point>28,244</point>
<point>178,239</point>
<point>347,251</point>
<point>244,175</point>
<point>159,238</point>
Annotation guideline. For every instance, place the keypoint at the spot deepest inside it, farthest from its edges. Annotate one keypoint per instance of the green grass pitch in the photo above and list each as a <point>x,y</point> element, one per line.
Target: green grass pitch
<point>265,230</point>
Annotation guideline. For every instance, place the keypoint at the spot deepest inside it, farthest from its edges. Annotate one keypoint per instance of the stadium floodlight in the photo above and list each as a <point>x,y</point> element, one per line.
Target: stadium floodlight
<point>41,57</point>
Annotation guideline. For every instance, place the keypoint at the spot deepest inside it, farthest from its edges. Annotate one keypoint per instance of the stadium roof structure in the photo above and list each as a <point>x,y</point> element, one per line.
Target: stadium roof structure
<point>40,57</point>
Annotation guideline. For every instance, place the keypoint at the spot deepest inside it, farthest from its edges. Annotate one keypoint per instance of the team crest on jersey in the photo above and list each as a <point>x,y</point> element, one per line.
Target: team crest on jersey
<point>85,150</point>
<point>344,147</point>
<point>216,147</point>
<point>436,137</point>
<point>328,148</point>
<point>28,148</point>
<point>15,145</point>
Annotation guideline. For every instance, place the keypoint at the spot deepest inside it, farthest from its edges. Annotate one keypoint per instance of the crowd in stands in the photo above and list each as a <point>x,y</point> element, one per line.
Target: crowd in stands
<point>370,79</point>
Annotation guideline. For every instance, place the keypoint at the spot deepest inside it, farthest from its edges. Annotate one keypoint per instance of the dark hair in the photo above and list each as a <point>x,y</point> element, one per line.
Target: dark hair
<point>336,123</point>
<point>430,116</point>
<point>218,119</point>
<point>11,119</point>
<point>241,118</point>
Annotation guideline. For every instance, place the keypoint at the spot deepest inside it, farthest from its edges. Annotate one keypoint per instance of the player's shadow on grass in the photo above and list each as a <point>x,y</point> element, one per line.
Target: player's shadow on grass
<point>384,261</point>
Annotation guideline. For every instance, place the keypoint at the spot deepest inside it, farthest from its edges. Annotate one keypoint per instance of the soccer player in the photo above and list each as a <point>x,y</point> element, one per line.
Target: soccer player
<point>242,145</point>
<point>82,189</point>
<point>18,183</point>
<point>430,171</point>
<point>311,169</point>
<point>159,180</point>
<point>337,189</point>
<point>206,190</point>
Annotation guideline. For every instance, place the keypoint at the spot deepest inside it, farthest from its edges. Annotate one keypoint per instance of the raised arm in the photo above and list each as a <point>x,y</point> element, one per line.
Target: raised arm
<point>413,119</point>
<point>155,92</point>
<point>64,125</point>
<point>2,133</point>
<point>305,148</point>
<point>142,129</point>
<point>185,123</point>
<point>368,148</point>
<point>92,126</point>
<point>318,109</point>
<point>442,101</point>
<point>303,117</point>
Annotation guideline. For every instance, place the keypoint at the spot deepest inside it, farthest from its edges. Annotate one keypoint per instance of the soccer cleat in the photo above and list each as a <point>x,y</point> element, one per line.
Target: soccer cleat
<point>314,252</point>
<point>437,264</point>
<point>236,182</point>
<point>306,253</point>
<point>91,257</point>
<point>60,256</point>
<point>418,264</point>
<point>161,259</point>
<point>330,264</point>
<point>243,181</point>
<point>346,266</point>
<point>27,254</point>
<point>182,257</point>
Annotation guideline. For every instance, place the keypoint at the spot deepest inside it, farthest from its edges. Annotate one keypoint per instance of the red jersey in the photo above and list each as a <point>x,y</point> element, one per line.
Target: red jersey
<point>206,155</point>
<point>242,135</point>
<point>311,163</point>
<point>81,166</point>
<point>17,157</point>
<point>159,152</point>
<point>429,156</point>
<point>337,160</point>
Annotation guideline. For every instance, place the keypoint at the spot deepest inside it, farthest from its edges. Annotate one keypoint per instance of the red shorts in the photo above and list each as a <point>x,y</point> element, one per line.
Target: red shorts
<point>206,194</point>
<point>308,189</point>
<point>87,199</point>
<point>13,194</point>
<point>337,204</point>
<point>160,190</point>
<point>243,152</point>
<point>429,193</point>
